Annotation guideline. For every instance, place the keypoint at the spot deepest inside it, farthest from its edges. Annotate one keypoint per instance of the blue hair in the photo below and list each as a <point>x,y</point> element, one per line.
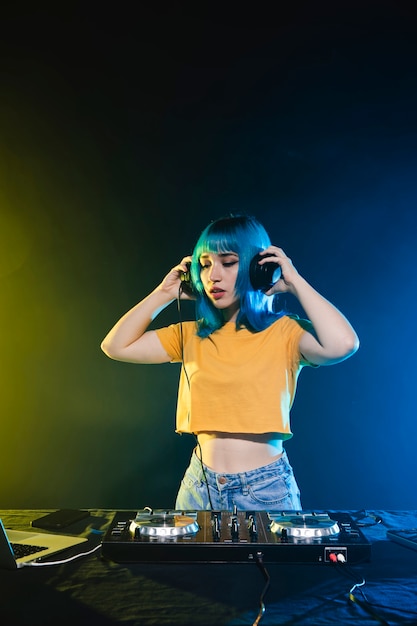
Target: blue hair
<point>245,236</point>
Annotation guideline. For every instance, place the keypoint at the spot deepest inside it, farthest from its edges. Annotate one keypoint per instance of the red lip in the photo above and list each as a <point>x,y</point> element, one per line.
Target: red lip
<point>217,294</point>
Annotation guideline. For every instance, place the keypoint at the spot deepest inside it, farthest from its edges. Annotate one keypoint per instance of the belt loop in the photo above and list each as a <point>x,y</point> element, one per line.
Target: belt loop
<point>244,483</point>
<point>198,467</point>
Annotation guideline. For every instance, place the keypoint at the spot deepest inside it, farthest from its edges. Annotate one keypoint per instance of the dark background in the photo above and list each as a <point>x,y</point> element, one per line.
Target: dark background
<point>123,132</point>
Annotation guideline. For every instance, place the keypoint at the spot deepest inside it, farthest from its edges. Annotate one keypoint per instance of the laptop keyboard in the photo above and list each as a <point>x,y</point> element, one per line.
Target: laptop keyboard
<point>22,549</point>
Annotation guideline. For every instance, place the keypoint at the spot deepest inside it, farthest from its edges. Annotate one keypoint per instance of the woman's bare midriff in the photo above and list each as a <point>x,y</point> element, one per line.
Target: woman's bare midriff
<point>231,453</point>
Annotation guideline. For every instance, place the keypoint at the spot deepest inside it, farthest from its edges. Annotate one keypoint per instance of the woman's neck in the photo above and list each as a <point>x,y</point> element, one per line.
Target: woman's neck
<point>230,314</point>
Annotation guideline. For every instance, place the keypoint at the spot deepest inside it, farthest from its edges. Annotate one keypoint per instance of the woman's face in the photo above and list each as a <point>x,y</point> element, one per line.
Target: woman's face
<point>218,273</point>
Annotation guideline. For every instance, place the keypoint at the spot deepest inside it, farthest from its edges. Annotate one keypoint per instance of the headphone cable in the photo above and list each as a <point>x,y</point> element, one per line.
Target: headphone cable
<point>200,456</point>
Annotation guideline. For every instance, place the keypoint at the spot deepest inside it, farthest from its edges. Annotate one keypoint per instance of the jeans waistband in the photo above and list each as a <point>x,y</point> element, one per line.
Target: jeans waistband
<point>219,480</point>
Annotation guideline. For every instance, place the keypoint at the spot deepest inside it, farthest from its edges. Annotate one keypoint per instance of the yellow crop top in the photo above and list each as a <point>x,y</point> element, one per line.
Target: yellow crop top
<point>236,380</point>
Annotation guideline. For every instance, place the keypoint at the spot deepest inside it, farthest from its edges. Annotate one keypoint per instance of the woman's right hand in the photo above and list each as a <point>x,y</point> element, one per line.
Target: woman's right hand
<point>172,282</point>
<point>130,338</point>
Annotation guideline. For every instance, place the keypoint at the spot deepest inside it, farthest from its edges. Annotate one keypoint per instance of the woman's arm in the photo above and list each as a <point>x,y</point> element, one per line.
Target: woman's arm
<point>335,338</point>
<point>129,339</point>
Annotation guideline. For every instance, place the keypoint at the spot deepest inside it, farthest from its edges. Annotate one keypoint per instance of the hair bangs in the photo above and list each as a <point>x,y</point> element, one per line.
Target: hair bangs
<point>217,238</point>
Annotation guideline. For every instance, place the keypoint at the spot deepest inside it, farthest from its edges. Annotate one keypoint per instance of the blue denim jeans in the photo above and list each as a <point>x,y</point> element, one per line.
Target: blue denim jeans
<point>268,488</point>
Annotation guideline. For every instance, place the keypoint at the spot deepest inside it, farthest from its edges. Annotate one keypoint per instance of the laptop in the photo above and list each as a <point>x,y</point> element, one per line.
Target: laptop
<point>18,547</point>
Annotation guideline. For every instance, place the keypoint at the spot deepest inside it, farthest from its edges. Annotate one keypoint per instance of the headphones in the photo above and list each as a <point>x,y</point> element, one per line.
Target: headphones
<point>262,277</point>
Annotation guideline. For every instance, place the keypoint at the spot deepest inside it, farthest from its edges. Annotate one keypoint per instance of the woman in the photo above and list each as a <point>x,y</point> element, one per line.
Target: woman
<point>241,360</point>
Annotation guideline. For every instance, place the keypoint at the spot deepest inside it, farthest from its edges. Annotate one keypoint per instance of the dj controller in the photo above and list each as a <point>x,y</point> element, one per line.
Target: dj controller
<point>152,536</point>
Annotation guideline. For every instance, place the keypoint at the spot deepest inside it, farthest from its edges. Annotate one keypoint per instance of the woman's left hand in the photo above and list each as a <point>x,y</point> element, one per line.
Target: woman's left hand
<point>288,272</point>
